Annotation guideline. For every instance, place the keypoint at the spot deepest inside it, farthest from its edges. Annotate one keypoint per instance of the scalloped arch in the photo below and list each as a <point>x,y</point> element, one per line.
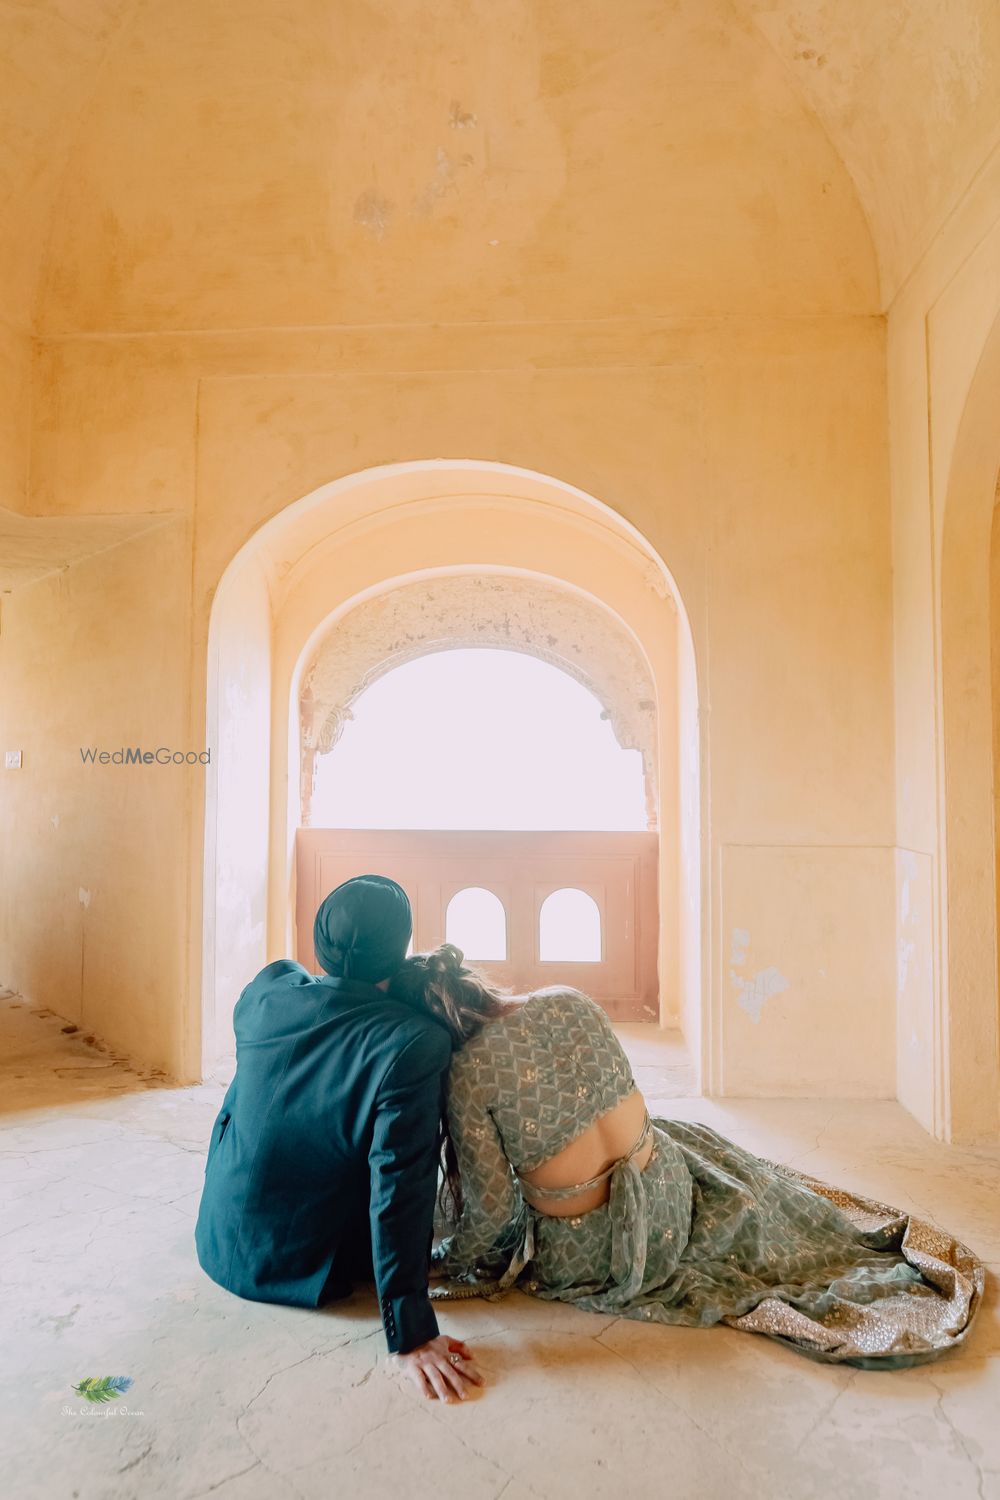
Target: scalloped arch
<point>580,636</point>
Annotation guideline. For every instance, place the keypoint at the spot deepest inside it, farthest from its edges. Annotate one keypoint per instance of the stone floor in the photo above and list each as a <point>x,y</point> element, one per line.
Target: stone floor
<point>101,1169</point>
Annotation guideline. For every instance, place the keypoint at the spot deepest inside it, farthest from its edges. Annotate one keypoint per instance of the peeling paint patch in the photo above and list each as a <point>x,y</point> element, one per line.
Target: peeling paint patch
<point>83,897</point>
<point>445,180</point>
<point>904,953</point>
<point>459,119</point>
<point>752,994</point>
<point>373,212</point>
<point>54,820</point>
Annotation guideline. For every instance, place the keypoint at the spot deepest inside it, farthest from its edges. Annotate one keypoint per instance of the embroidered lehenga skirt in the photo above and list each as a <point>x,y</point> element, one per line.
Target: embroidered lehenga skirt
<point>709,1233</point>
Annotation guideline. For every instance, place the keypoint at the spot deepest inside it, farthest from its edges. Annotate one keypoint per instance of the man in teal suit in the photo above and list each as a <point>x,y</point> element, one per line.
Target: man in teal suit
<point>323,1160</point>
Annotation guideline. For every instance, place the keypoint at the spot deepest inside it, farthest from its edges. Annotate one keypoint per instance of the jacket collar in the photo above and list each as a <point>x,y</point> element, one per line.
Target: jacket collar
<point>356,990</point>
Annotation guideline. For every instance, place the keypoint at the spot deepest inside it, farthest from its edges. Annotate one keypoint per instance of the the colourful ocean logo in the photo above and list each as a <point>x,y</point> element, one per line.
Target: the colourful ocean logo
<point>101,1388</point>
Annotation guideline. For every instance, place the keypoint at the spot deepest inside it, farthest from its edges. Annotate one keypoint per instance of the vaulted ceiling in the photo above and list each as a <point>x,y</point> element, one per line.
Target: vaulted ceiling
<point>909,93</point>
<point>243,163</point>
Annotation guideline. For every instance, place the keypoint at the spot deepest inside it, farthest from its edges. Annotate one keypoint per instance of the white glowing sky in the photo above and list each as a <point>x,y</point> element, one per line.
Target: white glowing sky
<point>483,739</point>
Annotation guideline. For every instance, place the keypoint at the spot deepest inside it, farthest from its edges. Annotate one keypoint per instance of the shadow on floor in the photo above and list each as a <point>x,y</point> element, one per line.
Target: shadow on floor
<point>48,1060</point>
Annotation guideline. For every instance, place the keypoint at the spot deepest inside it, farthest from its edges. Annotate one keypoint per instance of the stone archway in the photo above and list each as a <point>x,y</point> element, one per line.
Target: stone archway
<point>968,1071</point>
<point>532,615</point>
<point>325,555</point>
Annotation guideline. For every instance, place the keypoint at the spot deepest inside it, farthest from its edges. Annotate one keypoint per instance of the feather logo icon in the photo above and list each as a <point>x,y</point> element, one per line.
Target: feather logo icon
<point>100,1388</point>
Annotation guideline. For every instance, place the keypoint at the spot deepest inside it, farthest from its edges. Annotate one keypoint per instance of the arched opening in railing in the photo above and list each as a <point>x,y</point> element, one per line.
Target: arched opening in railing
<point>476,922</point>
<point>570,928</point>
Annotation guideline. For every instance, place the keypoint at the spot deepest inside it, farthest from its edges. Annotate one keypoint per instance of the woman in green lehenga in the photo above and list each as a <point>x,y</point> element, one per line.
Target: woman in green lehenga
<point>565,1187</point>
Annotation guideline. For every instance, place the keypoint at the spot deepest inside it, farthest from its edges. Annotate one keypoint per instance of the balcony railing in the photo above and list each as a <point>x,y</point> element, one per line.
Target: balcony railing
<point>530,909</point>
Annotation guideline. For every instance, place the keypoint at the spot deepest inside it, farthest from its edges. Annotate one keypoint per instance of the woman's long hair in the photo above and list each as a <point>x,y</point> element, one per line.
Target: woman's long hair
<point>462,1000</point>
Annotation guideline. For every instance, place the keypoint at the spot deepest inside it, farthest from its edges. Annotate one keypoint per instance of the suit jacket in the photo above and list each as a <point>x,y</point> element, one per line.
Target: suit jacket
<point>330,1123</point>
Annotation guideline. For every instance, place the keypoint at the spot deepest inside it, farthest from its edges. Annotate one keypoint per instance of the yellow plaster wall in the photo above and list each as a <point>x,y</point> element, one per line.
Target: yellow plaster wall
<point>938,328</point>
<point>907,90</point>
<point>442,127</point>
<point>807,970</point>
<point>404,161</point>
<point>751,454</point>
<point>15,416</point>
<point>239,741</point>
<point>320,238</point>
<point>995,686</point>
<point>93,870</point>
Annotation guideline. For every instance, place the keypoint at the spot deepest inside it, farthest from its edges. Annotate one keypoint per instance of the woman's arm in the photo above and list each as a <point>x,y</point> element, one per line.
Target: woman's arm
<point>492,1221</point>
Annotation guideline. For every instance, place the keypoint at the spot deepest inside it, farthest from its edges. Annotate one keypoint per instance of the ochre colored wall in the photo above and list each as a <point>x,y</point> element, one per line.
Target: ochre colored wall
<point>405,161</point>
<point>725,444</point>
<point>203,147</point>
<point>648,250</point>
<point>995,706</point>
<point>15,415</point>
<point>907,90</point>
<point>939,330</point>
<point>93,859</point>
<point>239,741</point>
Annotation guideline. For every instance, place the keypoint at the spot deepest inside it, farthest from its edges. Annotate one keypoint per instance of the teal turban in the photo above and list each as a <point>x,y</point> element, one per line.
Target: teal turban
<point>363,928</point>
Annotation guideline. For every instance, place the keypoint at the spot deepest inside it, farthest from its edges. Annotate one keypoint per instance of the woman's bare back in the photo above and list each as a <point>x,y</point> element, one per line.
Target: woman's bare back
<point>593,1152</point>
<point>596,1149</point>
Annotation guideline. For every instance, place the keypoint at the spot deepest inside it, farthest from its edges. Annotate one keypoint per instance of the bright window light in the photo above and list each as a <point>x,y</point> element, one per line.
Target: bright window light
<point>569,928</point>
<point>477,923</point>
<point>480,739</point>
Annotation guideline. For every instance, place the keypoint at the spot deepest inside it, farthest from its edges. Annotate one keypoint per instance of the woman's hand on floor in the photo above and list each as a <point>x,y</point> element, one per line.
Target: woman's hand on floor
<point>443,1369</point>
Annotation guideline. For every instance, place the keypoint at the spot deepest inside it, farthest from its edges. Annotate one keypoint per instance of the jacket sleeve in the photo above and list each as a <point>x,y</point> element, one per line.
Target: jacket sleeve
<point>492,1223</point>
<point>404,1172</point>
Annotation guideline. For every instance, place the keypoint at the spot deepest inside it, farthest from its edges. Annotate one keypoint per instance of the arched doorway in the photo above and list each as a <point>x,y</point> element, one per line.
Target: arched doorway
<point>967,1075</point>
<point>329,553</point>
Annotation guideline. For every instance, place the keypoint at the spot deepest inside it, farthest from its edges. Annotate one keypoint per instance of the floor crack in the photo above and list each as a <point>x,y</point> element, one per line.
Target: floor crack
<point>825,1412</point>
<point>225,1480</point>
<point>133,1462</point>
<point>958,1436</point>
<point>643,1376</point>
<point>246,1412</point>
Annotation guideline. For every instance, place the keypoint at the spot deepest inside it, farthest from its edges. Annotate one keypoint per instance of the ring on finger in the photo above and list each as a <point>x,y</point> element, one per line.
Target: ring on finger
<point>454,1359</point>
